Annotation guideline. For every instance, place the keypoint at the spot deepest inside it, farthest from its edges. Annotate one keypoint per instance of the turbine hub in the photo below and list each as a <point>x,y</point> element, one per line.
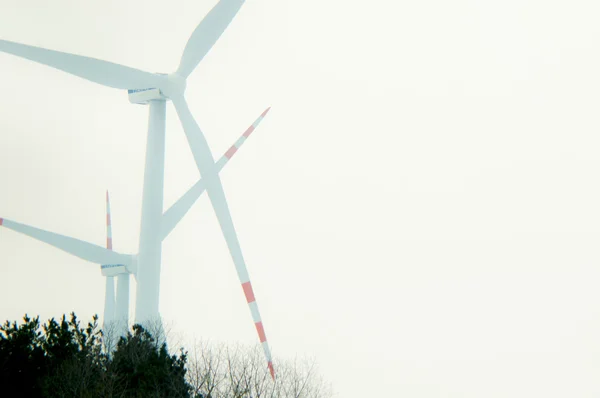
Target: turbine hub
<point>175,85</point>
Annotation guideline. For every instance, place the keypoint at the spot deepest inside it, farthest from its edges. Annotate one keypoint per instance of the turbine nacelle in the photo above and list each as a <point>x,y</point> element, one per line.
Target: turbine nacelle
<point>113,269</point>
<point>119,269</point>
<point>170,85</point>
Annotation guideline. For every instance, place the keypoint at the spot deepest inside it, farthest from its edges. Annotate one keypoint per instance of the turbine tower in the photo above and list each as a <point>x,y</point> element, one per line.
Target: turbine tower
<point>156,89</point>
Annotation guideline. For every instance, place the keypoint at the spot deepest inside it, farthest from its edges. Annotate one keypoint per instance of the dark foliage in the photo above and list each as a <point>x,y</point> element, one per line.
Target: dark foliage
<point>62,359</point>
<point>22,359</point>
<point>146,370</point>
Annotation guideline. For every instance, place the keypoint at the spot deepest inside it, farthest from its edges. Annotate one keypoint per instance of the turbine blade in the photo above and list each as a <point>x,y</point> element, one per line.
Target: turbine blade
<point>98,71</point>
<point>240,141</point>
<point>109,291</point>
<point>108,224</point>
<point>206,34</point>
<point>84,250</point>
<point>206,166</point>
<point>251,300</point>
<point>179,209</point>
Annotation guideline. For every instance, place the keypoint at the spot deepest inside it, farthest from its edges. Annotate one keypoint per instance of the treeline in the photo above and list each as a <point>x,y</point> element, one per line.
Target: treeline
<point>65,359</point>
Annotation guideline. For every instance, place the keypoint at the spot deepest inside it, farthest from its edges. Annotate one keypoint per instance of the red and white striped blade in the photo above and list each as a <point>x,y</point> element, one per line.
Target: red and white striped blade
<point>251,300</point>
<point>179,209</point>
<point>240,141</point>
<point>207,168</point>
<point>109,290</point>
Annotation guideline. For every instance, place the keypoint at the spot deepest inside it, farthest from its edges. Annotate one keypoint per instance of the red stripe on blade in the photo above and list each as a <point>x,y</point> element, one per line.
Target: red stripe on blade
<point>109,243</point>
<point>261,332</point>
<point>108,219</point>
<point>271,370</point>
<point>248,292</point>
<point>265,112</point>
<point>249,131</point>
<point>1,220</point>
<point>231,151</point>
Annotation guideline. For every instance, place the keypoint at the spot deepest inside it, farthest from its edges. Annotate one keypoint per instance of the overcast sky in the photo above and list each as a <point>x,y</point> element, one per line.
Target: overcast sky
<point>419,211</point>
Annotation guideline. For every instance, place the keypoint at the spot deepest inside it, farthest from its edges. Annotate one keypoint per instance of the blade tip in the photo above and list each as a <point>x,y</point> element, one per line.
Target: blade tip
<point>271,370</point>
<point>1,220</point>
<point>266,111</point>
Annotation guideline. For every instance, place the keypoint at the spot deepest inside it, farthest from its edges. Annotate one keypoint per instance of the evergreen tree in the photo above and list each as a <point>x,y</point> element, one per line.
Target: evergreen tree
<point>62,359</point>
<point>145,369</point>
<point>22,358</point>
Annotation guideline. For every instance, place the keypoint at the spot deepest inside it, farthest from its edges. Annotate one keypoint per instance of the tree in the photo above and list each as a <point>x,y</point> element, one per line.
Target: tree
<point>22,359</point>
<point>38,363</point>
<point>76,363</point>
<point>241,372</point>
<point>62,359</point>
<point>145,370</point>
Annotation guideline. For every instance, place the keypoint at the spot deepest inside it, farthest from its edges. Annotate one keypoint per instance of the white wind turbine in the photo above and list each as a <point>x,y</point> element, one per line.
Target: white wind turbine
<point>111,310</point>
<point>155,89</point>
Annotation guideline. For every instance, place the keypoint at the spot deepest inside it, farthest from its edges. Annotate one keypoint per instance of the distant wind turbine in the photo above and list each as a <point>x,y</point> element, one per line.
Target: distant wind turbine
<point>116,307</point>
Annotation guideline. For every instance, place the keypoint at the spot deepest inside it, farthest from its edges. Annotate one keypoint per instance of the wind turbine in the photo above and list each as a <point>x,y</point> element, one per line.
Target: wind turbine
<point>116,307</point>
<point>109,290</point>
<point>156,89</point>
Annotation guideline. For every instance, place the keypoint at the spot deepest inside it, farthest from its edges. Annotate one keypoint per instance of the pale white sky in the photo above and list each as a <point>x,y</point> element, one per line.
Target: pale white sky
<point>419,211</point>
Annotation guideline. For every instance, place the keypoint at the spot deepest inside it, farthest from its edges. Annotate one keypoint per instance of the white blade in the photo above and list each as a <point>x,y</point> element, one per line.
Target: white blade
<point>84,250</point>
<point>206,166</point>
<point>108,224</point>
<point>206,34</point>
<point>180,208</point>
<point>98,71</point>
